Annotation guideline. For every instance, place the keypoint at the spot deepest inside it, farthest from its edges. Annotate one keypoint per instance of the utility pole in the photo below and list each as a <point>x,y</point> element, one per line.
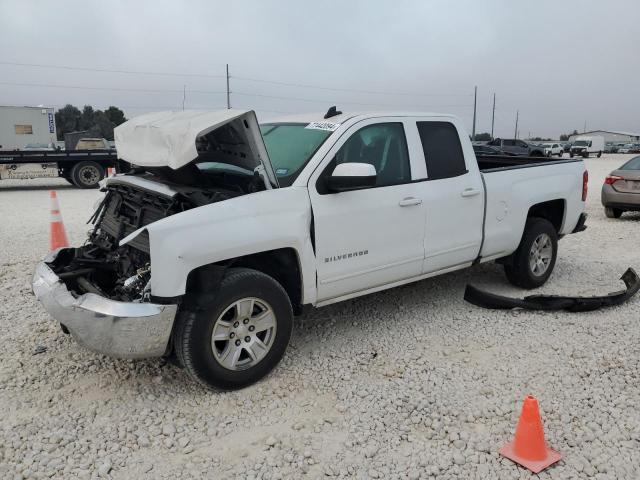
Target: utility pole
<point>516,131</point>
<point>184,95</point>
<point>493,115</point>
<point>228,92</point>
<point>475,96</point>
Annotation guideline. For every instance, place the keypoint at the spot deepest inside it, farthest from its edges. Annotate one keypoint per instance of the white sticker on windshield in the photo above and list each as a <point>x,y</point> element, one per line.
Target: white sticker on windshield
<point>328,126</point>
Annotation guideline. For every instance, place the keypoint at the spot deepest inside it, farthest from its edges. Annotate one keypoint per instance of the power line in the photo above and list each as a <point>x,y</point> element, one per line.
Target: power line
<point>373,92</point>
<point>80,87</point>
<point>107,70</point>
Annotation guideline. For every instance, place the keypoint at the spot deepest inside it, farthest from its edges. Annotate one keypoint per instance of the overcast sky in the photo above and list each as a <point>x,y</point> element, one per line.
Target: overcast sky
<point>560,63</point>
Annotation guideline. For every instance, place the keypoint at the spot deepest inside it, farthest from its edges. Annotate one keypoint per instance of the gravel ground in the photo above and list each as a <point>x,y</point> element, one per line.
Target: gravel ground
<point>408,383</point>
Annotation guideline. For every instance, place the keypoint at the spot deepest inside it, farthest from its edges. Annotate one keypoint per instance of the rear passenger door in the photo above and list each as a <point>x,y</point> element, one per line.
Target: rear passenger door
<point>453,195</point>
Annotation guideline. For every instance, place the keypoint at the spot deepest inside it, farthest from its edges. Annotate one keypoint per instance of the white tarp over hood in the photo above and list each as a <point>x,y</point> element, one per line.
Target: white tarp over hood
<point>168,139</point>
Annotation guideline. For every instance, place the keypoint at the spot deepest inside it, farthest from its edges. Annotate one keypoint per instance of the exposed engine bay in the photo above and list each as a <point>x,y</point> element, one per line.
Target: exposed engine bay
<point>133,201</point>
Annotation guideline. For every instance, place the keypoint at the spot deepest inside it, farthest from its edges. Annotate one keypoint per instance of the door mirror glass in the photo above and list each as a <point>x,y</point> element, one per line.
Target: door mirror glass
<point>351,176</point>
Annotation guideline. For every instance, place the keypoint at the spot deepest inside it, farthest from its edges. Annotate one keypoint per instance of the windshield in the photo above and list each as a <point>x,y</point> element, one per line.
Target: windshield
<point>633,164</point>
<point>581,143</point>
<point>290,146</point>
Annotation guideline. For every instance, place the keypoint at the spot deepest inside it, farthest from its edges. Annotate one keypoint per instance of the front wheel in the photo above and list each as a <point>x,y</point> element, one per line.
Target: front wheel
<point>235,337</point>
<point>532,263</point>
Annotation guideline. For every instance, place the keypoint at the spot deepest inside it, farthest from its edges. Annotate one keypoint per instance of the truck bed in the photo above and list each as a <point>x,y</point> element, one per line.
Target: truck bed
<point>497,163</point>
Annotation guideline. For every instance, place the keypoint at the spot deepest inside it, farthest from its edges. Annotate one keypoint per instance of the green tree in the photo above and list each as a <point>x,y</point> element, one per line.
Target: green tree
<point>483,137</point>
<point>67,119</point>
<point>87,120</point>
<point>565,136</point>
<point>115,115</point>
<point>102,127</point>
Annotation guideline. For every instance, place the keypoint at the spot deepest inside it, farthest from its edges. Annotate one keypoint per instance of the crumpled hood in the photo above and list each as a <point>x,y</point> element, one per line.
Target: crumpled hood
<point>168,139</point>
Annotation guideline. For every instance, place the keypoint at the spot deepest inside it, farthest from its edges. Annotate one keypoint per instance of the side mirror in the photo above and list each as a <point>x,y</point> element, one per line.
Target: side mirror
<point>351,176</point>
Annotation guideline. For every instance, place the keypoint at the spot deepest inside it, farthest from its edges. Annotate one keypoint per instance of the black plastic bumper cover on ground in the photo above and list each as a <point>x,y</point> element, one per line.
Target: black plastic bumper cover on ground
<point>553,302</point>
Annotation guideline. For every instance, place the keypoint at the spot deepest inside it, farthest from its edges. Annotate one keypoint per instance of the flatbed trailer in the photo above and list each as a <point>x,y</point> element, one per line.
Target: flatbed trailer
<point>82,168</point>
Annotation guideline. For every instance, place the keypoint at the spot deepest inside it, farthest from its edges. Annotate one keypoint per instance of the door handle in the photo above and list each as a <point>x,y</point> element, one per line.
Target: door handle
<point>409,201</point>
<point>470,192</point>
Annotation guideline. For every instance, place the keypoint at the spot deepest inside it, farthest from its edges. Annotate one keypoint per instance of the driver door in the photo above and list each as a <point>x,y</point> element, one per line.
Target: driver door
<point>373,236</point>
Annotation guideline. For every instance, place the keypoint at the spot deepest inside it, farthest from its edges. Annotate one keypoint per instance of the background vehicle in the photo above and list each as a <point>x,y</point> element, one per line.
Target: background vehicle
<point>517,147</point>
<point>214,253</point>
<point>83,169</point>
<point>625,148</point>
<point>553,149</point>
<point>566,147</point>
<point>585,146</point>
<point>489,150</point>
<point>610,147</point>
<point>621,189</point>
<point>93,144</point>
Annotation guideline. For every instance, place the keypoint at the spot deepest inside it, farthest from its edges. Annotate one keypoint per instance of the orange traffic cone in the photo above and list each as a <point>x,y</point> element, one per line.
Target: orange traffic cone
<point>110,171</point>
<point>528,447</point>
<point>58,237</point>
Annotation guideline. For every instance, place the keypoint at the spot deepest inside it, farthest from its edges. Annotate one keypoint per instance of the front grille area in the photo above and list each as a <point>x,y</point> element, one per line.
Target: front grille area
<point>125,209</point>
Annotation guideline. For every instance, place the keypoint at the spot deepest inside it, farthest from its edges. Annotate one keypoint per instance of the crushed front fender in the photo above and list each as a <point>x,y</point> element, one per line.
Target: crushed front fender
<point>484,299</point>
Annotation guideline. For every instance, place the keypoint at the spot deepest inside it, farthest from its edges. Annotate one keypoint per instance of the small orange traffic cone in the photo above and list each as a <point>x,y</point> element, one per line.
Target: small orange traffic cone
<point>528,447</point>
<point>58,237</point>
<point>110,171</point>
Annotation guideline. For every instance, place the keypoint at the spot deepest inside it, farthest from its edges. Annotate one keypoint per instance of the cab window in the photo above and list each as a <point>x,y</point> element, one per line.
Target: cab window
<point>382,145</point>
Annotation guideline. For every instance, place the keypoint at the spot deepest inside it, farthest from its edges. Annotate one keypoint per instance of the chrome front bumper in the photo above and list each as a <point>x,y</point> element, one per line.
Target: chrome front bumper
<point>117,329</point>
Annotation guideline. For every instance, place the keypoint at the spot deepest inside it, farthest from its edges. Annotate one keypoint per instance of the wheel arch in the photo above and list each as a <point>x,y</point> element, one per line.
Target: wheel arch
<point>551,210</point>
<point>282,264</point>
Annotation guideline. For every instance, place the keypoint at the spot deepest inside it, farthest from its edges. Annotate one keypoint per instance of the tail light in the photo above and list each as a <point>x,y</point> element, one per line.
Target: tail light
<point>611,179</point>
<point>585,185</point>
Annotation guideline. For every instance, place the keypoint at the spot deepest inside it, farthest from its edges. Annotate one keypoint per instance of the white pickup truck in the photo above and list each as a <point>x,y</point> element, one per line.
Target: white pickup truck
<point>226,229</point>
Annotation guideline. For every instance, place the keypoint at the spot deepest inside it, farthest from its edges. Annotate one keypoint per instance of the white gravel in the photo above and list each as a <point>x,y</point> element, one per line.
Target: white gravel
<point>408,383</point>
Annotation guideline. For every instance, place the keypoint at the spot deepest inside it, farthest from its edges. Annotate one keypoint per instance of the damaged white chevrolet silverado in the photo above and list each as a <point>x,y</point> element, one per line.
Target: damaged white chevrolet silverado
<point>225,229</point>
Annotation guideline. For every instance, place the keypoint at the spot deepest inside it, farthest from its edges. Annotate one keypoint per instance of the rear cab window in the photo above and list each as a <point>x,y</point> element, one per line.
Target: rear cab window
<point>442,150</point>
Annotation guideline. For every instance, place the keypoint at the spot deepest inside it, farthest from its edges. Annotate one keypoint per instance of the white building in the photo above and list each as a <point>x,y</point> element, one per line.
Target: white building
<point>22,125</point>
<point>613,137</point>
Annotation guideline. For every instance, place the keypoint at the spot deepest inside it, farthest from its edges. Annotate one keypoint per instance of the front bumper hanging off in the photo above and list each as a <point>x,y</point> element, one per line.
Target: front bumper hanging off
<point>483,299</point>
<point>110,327</point>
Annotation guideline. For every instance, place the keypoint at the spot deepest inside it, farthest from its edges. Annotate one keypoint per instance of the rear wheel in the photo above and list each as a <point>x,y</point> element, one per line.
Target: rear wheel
<point>87,174</point>
<point>238,337</point>
<point>599,154</point>
<point>612,212</point>
<point>535,258</point>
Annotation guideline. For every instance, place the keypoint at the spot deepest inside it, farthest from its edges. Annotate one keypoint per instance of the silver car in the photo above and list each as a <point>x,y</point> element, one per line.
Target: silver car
<point>621,189</point>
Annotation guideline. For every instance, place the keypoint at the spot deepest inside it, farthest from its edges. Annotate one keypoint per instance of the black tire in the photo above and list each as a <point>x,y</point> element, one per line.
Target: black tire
<point>66,174</point>
<point>87,174</point>
<point>599,154</point>
<point>612,212</point>
<point>192,335</point>
<point>571,154</point>
<point>519,271</point>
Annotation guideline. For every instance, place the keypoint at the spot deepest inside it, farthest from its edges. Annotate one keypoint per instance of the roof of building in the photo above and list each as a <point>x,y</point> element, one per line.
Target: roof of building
<point>607,131</point>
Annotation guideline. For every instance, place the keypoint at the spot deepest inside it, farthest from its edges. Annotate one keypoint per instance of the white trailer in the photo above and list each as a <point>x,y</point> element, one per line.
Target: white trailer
<point>20,126</point>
